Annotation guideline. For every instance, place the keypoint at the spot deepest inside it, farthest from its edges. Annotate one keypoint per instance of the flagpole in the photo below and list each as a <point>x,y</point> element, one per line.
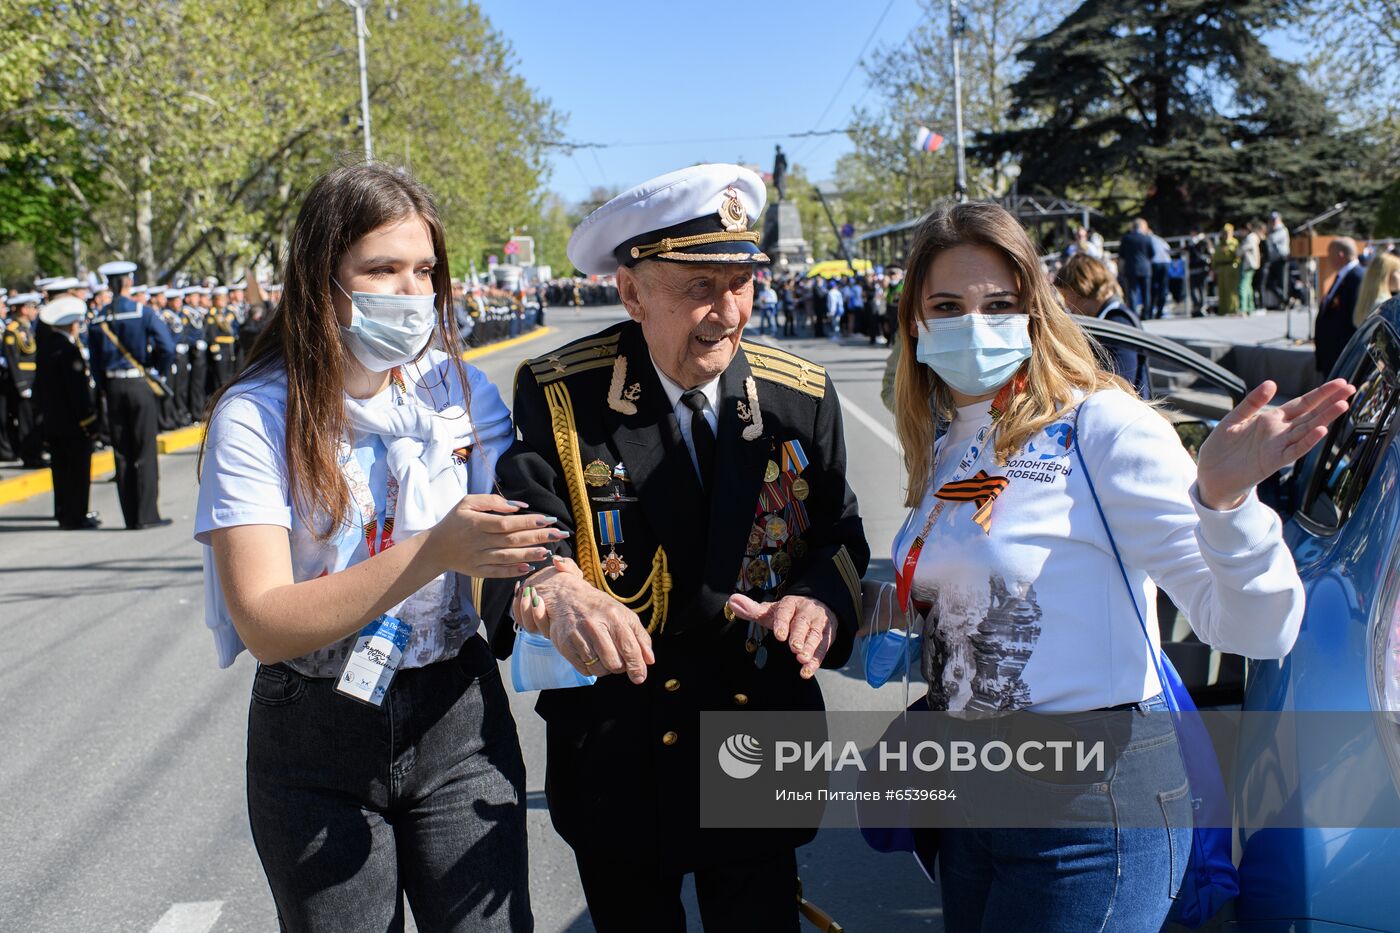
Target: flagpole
<point>954,35</point>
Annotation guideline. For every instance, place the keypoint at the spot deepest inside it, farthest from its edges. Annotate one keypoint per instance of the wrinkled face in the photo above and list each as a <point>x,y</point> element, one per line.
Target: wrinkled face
<point>692,315</point>
<point>395,259</point>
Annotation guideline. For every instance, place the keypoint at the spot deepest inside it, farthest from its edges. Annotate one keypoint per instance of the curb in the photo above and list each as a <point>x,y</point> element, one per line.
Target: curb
<point>37,482</point>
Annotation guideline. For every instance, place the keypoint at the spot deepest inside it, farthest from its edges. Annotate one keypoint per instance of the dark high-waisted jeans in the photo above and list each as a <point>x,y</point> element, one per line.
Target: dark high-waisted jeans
<point>354,806</point>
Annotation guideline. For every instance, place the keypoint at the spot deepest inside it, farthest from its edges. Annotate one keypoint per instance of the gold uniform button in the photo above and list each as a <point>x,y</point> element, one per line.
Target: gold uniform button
<point>670,738</point>
<point>672,685</point>
<point>741,699</point>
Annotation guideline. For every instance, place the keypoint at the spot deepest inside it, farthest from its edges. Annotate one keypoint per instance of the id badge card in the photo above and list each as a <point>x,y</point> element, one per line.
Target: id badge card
<point>371,666</point>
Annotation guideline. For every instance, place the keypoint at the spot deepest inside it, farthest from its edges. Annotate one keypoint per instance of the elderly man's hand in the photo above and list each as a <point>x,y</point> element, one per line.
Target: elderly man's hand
<point>806,624</point>
<point>590,628</point>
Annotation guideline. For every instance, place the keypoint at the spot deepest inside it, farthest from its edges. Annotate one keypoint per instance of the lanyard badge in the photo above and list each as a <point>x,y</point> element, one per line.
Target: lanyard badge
<point>371,666</point>
<point>981,489</point>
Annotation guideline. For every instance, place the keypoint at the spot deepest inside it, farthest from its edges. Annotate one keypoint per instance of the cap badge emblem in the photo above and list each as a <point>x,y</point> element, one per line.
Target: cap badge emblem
<point>731,213</point>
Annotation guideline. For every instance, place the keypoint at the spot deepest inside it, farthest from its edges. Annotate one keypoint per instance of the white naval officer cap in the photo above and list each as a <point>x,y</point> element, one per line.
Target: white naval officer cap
<point>24,298</point>
<point>140,289</point>
<point>64,284</point>
<point>116,267</point>
<point>696,214</point>
<point>174,293</point>
<point>43,282</point>
<point>221,290</point>
<point>63,311</point>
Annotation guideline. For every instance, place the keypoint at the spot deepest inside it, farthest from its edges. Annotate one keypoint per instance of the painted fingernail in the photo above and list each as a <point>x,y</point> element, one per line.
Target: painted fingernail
<point>541,553</point>
<point>534,598</point>
<point>546,520</point>
<point>517,586</point>
<point>523,568</point>
<point>559,534</point>
<point>518,504</point>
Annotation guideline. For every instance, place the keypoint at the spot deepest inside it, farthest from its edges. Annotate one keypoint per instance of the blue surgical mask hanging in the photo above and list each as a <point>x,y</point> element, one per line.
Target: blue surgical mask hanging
<point>975,353</point>
<point>535,664</point>
<point>388,330</point>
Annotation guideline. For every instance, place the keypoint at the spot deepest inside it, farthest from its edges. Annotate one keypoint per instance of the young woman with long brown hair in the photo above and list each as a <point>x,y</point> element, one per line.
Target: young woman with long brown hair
<point>1010,574</point>
<point>345,511</point>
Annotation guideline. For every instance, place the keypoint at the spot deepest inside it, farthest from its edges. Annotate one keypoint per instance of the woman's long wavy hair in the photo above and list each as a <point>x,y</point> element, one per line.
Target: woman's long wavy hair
<point>1062,359</point>
<point>303,335</point>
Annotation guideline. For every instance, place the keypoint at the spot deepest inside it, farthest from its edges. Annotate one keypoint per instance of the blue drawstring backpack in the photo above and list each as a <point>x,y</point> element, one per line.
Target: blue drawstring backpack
<point>1211,880</point>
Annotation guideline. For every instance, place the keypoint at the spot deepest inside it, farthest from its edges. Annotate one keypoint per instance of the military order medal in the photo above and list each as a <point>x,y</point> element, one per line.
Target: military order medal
<point>775,528</point>
<point>597,473</point>
<point>757,572</point>
<point>800,489</point>
<point>610,533</point>
<point>770,473</point>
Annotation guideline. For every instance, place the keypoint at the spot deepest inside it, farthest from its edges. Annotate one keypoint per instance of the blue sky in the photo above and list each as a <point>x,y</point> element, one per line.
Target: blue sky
<point>713,81</point>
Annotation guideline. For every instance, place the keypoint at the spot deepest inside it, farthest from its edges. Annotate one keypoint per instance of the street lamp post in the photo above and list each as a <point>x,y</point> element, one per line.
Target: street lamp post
<point>955,30</point>
<point>359,7</point>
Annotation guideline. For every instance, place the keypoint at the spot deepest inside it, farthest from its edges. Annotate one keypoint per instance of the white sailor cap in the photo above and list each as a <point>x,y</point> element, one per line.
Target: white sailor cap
<point>174,293</point>
<point>42,283</point>
<point>221,290</point>
<point>116,267</point>
<point>63,311</point>
<point>697,214</point>
<point>24,298</point>
<point>140,289</point>
<point>67,283</point>
<point>197,290</point>
<point>236,286</point>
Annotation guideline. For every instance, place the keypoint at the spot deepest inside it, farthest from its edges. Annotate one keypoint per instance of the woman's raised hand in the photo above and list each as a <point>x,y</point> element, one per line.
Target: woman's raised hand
<point>1253,442</point>
<point>484,536</point>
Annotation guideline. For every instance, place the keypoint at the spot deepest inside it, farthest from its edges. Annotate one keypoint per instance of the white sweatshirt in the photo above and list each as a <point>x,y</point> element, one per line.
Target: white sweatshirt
<point>1035,613</point>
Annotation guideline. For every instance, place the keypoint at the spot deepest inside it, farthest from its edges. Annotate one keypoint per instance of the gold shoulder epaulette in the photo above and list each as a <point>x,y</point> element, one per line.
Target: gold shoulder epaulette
<point>785,369</point>
<point>577,357</point>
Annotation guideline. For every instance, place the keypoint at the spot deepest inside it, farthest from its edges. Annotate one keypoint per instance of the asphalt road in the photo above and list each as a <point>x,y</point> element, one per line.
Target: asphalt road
<point>122,773</point>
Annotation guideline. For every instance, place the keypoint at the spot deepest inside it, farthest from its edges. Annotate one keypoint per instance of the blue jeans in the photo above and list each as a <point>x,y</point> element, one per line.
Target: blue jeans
<point>1106,877</point>
<point>353,806</point>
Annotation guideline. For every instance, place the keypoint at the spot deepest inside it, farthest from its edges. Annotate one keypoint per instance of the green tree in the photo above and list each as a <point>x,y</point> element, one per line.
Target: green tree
<point>1181,100</point>
<point>1357,67</point>
<point>183,135</point>
<point>885,179</point>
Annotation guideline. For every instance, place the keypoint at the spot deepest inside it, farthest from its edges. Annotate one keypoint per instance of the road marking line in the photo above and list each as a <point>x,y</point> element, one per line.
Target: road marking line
<point>478,352</point>
<point>867,419</point>
<point>190,917</point>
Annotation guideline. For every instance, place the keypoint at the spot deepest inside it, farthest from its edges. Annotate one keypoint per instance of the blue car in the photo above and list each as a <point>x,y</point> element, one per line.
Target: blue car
<point>1343,527</point>
<point>1342,522</point>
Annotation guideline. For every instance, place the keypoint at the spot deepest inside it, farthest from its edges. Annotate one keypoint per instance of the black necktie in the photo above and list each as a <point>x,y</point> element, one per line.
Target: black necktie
<point>701,437</point>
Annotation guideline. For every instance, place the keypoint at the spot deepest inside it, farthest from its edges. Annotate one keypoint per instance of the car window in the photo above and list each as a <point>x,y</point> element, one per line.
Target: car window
<point>1353,446</point>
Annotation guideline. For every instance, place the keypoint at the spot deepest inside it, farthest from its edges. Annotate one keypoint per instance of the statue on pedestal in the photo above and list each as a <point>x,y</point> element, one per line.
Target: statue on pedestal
<point>780,172</point>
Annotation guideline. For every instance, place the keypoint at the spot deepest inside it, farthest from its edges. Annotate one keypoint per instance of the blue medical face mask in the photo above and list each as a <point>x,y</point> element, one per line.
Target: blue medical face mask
<point>388,330</point>
<point>535,664</point>
<point>975,353</point>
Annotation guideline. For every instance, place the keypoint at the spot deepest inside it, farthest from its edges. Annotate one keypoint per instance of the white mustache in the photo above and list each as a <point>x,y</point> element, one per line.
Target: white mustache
<point>728,332</point>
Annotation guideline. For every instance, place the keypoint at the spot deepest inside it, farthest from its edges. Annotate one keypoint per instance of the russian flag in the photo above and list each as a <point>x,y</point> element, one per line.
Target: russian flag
<point>926,140</point>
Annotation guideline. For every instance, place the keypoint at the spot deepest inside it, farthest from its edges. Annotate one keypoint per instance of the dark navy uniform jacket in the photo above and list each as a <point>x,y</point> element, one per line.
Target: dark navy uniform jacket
<point>627,755</point>
<point>140,330</point>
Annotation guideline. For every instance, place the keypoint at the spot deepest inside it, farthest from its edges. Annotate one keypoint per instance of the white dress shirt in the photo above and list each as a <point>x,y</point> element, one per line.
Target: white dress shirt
<point>674,392</point>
